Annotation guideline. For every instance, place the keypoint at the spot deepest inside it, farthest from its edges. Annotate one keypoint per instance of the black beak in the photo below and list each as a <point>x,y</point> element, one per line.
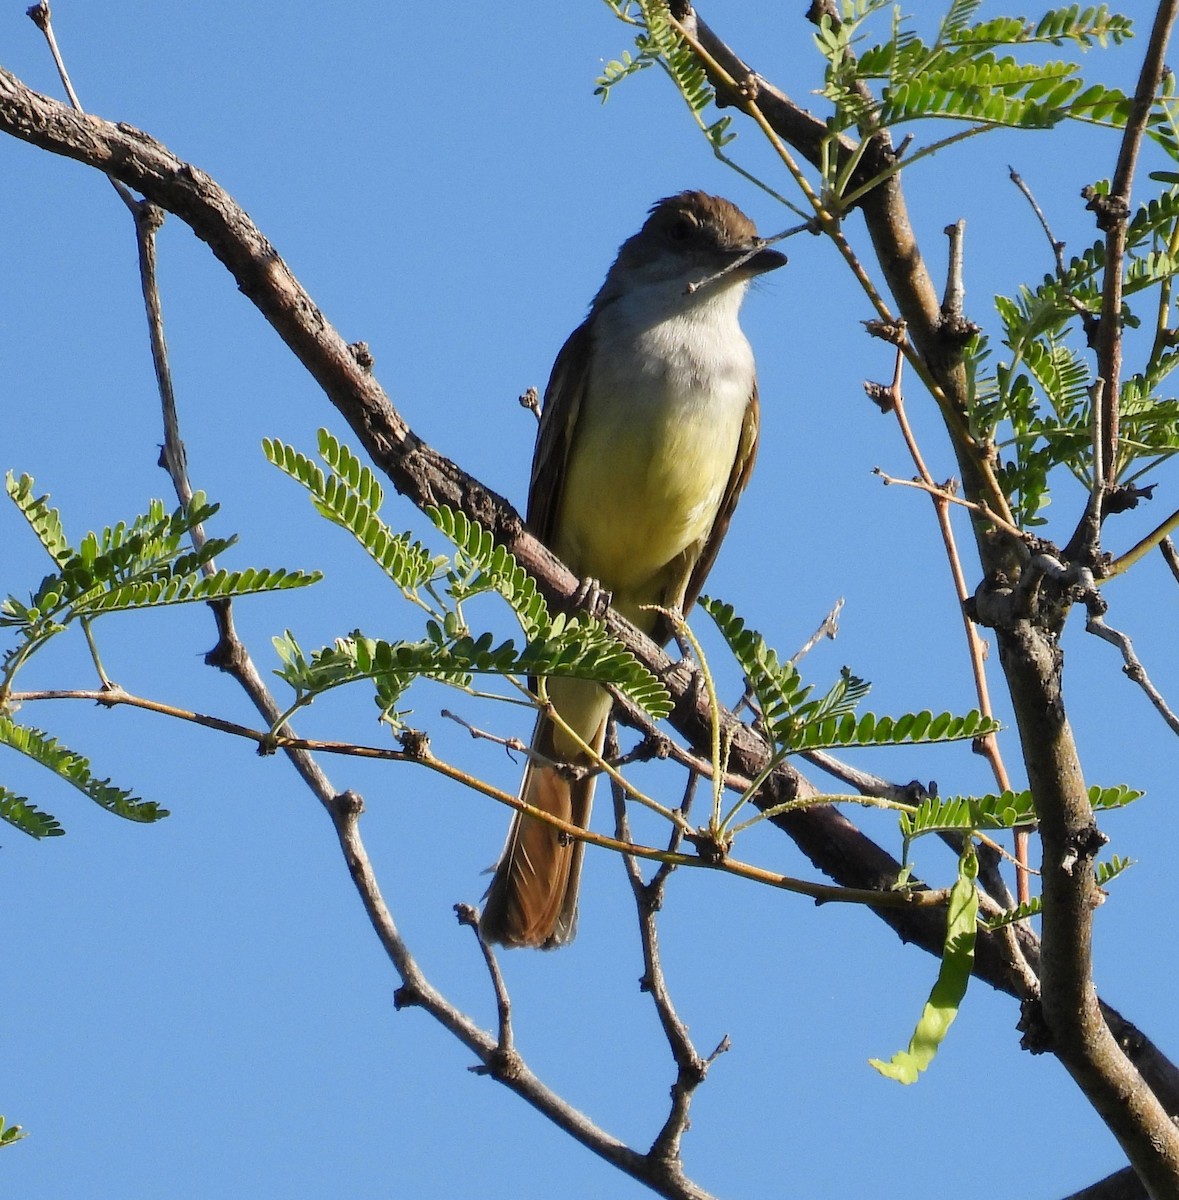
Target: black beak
<point>765,260</point>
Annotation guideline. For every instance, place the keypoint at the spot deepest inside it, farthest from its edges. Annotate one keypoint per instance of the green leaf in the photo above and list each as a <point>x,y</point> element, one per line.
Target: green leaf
<point>75,770</point>
<point>10,1134</point>
<point>351,496</point>
<point>795,722</point>
<point>491,566</point>
<point>660,43</point>
<point>1103,799</point>
<point>777,686</point>
<point>1103,873</point>
<point>44,521</point>
<point>25,816</point>
<point>190,589</point>
<point>961,77</point>
<point>962,814</point>
<point>952,980</point>
<point>571,650</point>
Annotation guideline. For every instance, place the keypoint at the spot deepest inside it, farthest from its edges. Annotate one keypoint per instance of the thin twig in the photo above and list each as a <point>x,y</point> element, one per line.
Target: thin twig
<point>828,629</point>
<point>1170,554</point>
<point>1133,667</point>
<point>1088,319</point>
<point>948,497</point>
<point>468,915</point>
<point>988,746</point>
<point>990,854</point>
<point>1159,536</point>
<point>511,1071</point>
<point>955,295</point>
<point>40,15</point>
<point>691,1069</point>
<point>1113,216</point>
<point>299,749</point>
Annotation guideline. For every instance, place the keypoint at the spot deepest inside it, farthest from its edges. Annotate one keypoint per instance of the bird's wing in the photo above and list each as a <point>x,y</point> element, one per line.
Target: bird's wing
<point>738,478</point>
<point>558,426</point>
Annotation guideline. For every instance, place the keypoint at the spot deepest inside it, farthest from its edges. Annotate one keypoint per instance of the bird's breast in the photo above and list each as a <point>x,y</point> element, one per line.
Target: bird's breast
<point>653,451</point>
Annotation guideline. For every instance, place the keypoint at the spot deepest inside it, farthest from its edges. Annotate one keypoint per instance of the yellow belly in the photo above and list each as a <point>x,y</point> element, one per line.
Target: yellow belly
<point>642,487</point>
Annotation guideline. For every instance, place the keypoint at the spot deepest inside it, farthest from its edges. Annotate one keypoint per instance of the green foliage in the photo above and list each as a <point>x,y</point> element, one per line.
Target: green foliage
<point>1104,799</point>
<point>965,814</point>
<point>966,73</point>
<point>25,816</point>
<point>1005,811</point>
<point>578,647</point>
<point>74,770</point>
<point>146,563</point>
<point>1103,872</point>
<point>794,722</point>
<point>10,1134</point>
<point>953,977</point>
<point>349,495</point>
<point>659,42</point>
<point>480,565</point>
<point>1038,406</point>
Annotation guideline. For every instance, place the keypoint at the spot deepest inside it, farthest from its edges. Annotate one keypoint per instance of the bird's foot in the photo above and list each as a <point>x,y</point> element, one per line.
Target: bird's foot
<point>593,598</point>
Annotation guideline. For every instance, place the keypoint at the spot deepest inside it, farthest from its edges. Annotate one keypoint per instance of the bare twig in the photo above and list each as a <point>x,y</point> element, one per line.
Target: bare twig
<point>990,853</point>
<point>510,1070</point>
<point>300,751</point>
<point>1088,320</point>
<point>1170,554</point>
<point>1133,667</point>
<point>506,1057</point>
<point>1159,536</point>
<point>1113,215</point>
<point>691,1069</point>
<point>976,651</point>
<point>828,629</point>
<point>944,494</point>
<point>955,295</point>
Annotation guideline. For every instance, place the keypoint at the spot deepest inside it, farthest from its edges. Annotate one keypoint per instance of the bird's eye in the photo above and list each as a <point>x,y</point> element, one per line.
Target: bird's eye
<point>680,229</point>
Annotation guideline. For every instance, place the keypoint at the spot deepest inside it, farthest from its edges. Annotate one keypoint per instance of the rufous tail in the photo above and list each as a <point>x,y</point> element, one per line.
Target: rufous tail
<point>532,900</point>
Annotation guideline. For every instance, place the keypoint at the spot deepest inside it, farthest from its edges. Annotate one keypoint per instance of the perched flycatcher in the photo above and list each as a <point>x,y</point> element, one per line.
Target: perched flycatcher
<point>646,440</point>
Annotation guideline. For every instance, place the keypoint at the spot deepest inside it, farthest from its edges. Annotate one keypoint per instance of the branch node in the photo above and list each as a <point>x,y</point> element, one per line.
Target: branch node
<point>1037,1037</point>
<point>500,1065</point>
<point>363,355</point>
<point>881,394</point>
<point>415,742</point>
<point>530,399</point>
<point>348,804</point>
<point>893,332</point>
<point>1108,210</point>
<point>407,996</point>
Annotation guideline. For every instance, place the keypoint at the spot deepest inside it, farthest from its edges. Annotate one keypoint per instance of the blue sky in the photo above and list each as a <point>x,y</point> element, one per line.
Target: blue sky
<point>199,1008</point>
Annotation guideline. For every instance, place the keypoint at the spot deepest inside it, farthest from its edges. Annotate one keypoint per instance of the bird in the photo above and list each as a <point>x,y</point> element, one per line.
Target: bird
<point>647,437</point>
